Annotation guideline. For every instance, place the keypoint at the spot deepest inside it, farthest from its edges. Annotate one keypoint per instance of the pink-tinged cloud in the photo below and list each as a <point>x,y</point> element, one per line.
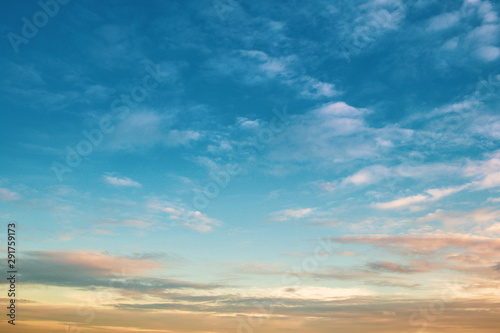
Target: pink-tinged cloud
<point>95,261</point>
<point>392,267</point>
<point>429,244</point>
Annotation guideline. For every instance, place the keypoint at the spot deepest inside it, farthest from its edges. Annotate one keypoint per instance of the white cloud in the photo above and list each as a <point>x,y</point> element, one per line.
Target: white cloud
<point>376,173</point>
<point>402,202</point>
<point>257,67</point>
<point>367,175</point>
<point>124,181</point>
<point>8,195</point>
<point>145,129</point>
<point>138,130</point>
<point>332,133</point>
<point>340,109</point>
<point>131,223</point>
<point>284,215</point>
<point>192,219</point>
<point>246,123</point>
<point>433,195</point>
<point>373,20</point>
<point>488,53</point>
<point>489,181</point>
<point>181,138</point>
<point>438,193</point>
<point>487,172</point>
<point>443,21</point>
<point>314,88</point>
<point>475,37</point>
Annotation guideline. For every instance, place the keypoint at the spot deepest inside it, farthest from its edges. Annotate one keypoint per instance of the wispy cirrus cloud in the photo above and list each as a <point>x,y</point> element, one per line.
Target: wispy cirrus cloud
<point>177,214</point>
<point>334,133</point>
<point>481,221</point>
<point>487,172</point>
<point>430,196</point>
<point>426,244</point>
<point>258,67</point>
<point>130,222</point>
<point>287,214</point>
<point>120,181</point>
<point>392,267</point>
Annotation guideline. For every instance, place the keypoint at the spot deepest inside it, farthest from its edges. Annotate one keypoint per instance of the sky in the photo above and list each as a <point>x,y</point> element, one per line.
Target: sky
<point>252,166</point>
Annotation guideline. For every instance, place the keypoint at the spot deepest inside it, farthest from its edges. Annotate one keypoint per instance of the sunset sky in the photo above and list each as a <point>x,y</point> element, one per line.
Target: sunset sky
<point>251,166</point>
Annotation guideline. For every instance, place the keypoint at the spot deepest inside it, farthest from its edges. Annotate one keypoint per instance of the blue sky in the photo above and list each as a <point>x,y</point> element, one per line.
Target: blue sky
<point>230,137</point>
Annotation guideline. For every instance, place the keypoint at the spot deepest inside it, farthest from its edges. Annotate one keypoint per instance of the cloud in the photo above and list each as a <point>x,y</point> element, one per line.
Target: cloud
<point>392,267</point>
<point>87,269</point>
<point>483,39</point>
<point>487,172</point>
<point>429,244</point>
<point>357,314</point>
<point>319,293</point>
<point>481,221</point>
<point>313,88</point>
<point>287,214</point>
<point>488,53</point>
<point>177,138</point>
<point>347,253</point>
<point>8,195</point>
<point>433,195</point>
<point>192,219</point>
<point>371,22</point>
<point>255,67</point>
<point>402,202</point>
<point>367,175</point>
<point>327,186</point>
<point>246,123</point>
<point>139,129</point>
<point>376,173</point>
<point>443,21</point>
<point>124,181</point>
<point>331,134</point>
<point>131,223</point>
